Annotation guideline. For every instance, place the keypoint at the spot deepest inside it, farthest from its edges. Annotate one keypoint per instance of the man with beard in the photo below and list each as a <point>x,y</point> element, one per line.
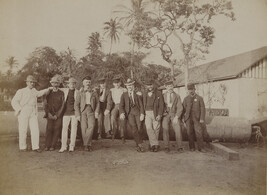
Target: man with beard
<point>153,106</point>
<point>194,116</point>
<point>55,106</point>
<point>86,111</point>
<point>172,114</point>
<point>25,105</point>
<point>132,110</point>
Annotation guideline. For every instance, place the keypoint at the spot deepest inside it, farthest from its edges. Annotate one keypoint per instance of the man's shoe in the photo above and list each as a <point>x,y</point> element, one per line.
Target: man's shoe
<point>203,150</point>
<point>86,148</point>
<point>37,150</point>
<point>99,136</point>
<point>123,140</point>
<point>90,148</point>
<point>151,148</point>
<point>71,149</point>
<point>46,149</point>
<point>180,150</point>
<point>52,149</point>
<point>140,148</point>
<point>192,149</point>
<point>62,150</point>
<point>167,150</point>
<point>156,148</point>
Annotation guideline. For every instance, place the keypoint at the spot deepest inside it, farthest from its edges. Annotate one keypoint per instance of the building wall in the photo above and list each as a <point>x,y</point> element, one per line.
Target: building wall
<point>243,97</point>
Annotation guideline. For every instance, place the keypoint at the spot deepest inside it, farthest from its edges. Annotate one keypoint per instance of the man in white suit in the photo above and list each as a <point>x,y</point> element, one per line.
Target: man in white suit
<point>25,105</point>
<point>70,94</point>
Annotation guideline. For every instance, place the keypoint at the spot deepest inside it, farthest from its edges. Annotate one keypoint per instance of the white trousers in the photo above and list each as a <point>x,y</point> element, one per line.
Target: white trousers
<point>28,117</point>
<point>64,136</point>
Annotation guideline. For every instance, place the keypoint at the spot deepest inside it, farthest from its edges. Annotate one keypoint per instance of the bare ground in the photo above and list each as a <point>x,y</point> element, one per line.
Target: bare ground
<point>116,168</point>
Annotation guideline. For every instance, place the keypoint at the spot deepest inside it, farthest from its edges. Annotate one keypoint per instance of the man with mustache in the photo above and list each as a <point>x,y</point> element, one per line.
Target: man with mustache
<point>153,106</point>
<point>194,116</point>
<point>86,111</point>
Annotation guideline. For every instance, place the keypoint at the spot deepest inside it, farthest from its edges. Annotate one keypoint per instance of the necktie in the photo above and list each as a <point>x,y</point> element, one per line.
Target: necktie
<point>131,99</point>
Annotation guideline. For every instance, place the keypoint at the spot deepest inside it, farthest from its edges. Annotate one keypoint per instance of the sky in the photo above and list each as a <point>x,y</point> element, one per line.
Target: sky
<point>28,24</point>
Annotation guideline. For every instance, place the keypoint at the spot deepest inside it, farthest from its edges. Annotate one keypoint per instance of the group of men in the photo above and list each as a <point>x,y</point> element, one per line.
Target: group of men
<point>113,108</point>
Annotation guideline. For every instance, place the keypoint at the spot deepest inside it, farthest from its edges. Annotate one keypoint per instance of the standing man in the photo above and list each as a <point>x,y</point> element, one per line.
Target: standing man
<point>172,114</point>
<point>55,105</point>
<point>70,94</point>
<point>194,116</point>
<point>153,106</point>
<point>86,110</point>
<point>105,105</point>
<point>132,110</point>
<point>25,105</point>
<point>116,123</point>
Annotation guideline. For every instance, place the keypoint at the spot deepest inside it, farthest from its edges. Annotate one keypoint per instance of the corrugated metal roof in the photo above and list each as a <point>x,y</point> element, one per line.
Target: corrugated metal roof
<point>226,68</point>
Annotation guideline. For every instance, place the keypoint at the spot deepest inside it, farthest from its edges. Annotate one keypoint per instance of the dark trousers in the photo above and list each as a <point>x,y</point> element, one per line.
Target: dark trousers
<point>116,123</point>
<point>53,131</point>
<point>191,124</point>
<point>134,123</point>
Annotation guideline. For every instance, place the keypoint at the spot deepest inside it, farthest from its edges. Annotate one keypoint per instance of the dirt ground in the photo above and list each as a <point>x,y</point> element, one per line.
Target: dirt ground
<point>116,168</point>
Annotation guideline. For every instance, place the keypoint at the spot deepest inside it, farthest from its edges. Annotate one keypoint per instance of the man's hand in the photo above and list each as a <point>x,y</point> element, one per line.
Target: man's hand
<point>175,120</point>
<point>78,118</point>
<point>55,117</point>
<point>158,118</point>
<point>201,121</point>
<point>50,116</point>
<point>142,117</point>
<point>96,115</point>
<point>106,112</point>
<point>122,116</point>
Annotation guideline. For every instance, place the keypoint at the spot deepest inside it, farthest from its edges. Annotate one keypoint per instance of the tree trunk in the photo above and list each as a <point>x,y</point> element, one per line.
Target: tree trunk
<point>186,74</point>
<point>132,58</point>
<point>172,72</point>
<point>110,47</point>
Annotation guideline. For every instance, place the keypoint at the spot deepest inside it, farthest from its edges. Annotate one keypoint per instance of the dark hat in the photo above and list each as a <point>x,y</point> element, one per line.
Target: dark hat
<point>129,82</point>
<point>101,80</point>
<point>148,82</point>
<point>116,79</point>
<point>191,86</point>
<point>31,78</point>
<point>87,78</point>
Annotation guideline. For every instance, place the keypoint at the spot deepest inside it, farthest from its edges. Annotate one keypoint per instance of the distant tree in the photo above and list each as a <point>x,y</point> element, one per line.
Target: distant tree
<point>11,63</point>
<point>43,62</point>
<point>112,30</point>
<point>95,54</point>
<point>68,62</point>
<point>186,22</point>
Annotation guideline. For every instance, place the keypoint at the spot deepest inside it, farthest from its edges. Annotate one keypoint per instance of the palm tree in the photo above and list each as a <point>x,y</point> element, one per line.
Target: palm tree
<point>131,17</point>
<point>11,63</point>
<point>112,29</point>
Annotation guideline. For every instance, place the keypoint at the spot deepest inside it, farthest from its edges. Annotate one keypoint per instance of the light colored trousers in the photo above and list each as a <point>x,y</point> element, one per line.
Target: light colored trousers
<point>28,117</point>
<point>176,127</point>
<point>87,125</point>
<point>64,137</point>
<point>152,128</point>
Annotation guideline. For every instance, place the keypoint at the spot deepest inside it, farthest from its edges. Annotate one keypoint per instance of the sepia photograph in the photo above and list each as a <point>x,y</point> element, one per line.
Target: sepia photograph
<point>138,97</point>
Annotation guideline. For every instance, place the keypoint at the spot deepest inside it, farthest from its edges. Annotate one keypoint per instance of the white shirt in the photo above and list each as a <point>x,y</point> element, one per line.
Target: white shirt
<point>131,95</point>
<point>169,99</point>
<point>88,97</point>
<point>116,94</point>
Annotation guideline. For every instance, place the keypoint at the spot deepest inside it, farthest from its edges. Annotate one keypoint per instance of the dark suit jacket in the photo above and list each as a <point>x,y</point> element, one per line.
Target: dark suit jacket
<point>177,107</point>
<point>108,103</point>
<point>125,103</point>
<point>158,105</point>
<point>194,105</point>
<point>80,102</point>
